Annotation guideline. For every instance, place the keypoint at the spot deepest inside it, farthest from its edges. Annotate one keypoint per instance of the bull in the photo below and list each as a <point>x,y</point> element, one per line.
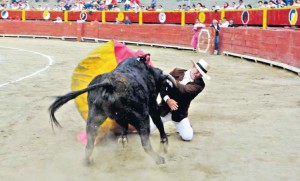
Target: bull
<point>128,95</point>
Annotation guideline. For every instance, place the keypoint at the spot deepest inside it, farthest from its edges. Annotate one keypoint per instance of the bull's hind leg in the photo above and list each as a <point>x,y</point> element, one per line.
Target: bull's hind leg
<point>93,123</point>
<point>145,135</point>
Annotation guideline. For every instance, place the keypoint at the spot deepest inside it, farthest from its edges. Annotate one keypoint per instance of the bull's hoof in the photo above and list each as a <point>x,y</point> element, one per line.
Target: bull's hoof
<point>164,145</point>
<point>88,162</point>
<point>163,148</point>
<point>160,160</point>
<point>123,140</point>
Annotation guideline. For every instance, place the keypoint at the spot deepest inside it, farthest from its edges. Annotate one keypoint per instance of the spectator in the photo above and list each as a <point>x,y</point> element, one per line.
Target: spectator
<point>226,5</point>
<point>199,7</point>
<point>47,7</point>
<point>249,6</point>
<point>204,8</point>
<point>193,8</point>
<point>241,5</point>
<point>260,4</point>
<point>136,7</point>
<point>231,25</point>
<point>225,23</point>
<point>216,27</point>
<point>289,2</point>
<point>58,20</point>
<point>15,6</point>
<point>184,7</point>
<point>196,28</point>
<point>153,3</point>
<point>143,8</point>
<point>127,21</point>
<point>281,4</point>
<point>297,3</point>
<point>272,4</point>
<point>233,6</point>
<point>159,8</point>
<point>127,5</point>
<point>215,7</point>
<point>115,8</point>
<point>40,8</point>
<point>117,21</point>
<point>179,8</point>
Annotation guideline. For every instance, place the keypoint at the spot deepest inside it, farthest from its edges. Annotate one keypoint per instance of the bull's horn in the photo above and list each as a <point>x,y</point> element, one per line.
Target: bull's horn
<point>171,78</point>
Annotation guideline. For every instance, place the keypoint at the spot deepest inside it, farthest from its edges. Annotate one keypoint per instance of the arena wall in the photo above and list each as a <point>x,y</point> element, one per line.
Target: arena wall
<point>280,45</point>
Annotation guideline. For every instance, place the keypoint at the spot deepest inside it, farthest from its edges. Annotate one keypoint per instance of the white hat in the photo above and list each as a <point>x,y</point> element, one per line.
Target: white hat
<point>202,66</point>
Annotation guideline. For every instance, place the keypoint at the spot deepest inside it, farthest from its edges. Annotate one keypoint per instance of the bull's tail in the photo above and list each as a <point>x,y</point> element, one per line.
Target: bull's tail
<point>61,100</point>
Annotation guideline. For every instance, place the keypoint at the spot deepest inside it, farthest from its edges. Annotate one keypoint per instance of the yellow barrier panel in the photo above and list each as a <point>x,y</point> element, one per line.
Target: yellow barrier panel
<point>265,17</point>
<point>23,15</point>
<point>103,17</point>
<point>222,14</point>
<point>182,18</point>
<point>140,18</point>
<point>66,18</point>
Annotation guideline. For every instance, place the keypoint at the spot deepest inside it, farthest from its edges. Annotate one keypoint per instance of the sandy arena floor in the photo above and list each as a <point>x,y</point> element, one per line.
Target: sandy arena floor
<point>246,121</point>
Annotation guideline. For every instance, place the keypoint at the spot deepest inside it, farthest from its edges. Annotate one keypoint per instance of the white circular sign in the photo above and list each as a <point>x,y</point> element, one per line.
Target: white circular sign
<point>83,16</point>
<point>4,14</point>
<point>46,15</point>
<point>162,17</point>
<point>245,17</point>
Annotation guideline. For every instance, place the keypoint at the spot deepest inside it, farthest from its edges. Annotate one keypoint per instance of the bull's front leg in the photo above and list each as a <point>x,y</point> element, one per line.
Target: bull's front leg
<point>145,134</point>
<point>163,136</point>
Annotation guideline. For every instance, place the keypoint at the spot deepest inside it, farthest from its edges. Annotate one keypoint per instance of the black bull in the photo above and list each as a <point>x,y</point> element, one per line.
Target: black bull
<point>127,95</point>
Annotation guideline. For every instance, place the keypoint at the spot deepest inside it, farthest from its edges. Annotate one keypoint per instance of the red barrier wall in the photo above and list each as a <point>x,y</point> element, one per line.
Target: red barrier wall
<point>281,45</point>
<point>38,28</point>
<point>156,34</point>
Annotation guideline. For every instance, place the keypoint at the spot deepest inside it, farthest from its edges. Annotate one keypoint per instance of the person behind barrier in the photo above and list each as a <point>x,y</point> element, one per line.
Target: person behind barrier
<point>281,4</point>
<point>233,6</point>
<point>184,7</point>
<point>260,4</point>
<point>159,8</point>
<point>296,3</point>
<point>231,25</point>
<point>289,2</point>
<point>225,6</point>
<point>196,28</point>
<point>215,25</point>
<point>176,100</point>
<point>127,21</point>
<point>215,7</point>
<point>225,23</point>
<point>241,5</point>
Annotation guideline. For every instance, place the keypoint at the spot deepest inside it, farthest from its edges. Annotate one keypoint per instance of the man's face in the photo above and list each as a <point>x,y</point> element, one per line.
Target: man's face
<point>195,73</point>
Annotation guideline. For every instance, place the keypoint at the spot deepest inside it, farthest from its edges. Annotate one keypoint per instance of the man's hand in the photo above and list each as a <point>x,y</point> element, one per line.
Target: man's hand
<point>172,104</point>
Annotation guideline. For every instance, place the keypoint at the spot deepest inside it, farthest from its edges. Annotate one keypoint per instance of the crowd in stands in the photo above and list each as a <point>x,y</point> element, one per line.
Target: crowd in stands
<point>136,5</point>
